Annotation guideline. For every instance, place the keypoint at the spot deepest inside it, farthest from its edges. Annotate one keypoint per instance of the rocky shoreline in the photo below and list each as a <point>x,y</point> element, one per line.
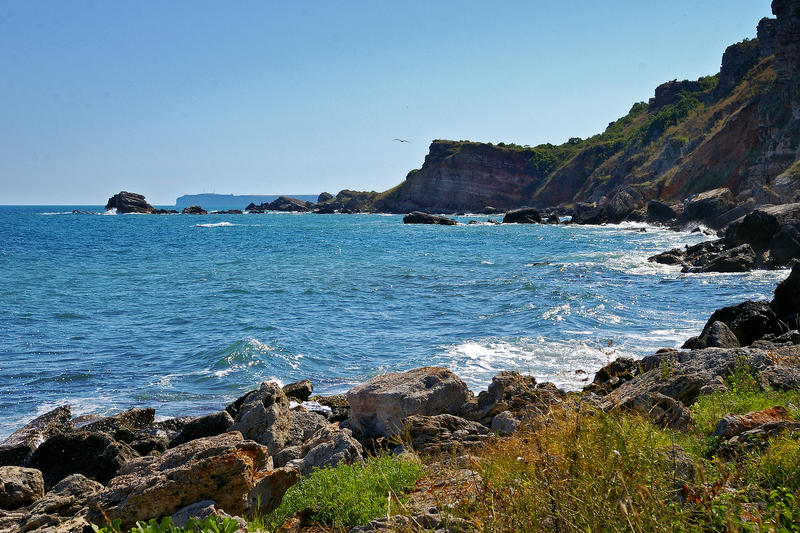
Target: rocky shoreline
<point>61,473</point>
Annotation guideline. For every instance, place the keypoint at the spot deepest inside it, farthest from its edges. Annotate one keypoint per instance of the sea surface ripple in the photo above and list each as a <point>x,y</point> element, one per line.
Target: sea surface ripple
<point>186,312</point>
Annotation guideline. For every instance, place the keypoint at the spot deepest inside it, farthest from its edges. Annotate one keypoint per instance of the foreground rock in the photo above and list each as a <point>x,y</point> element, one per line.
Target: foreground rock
<point>380,406</point>
<point>747,321</point>
<point>228,469</point>
<point>18,448</point>
<point>520,394</point>
<point>418,217</point>
<point>263,416</point>
<point>129,202</point>
<point>444,433</point>
<point>329,447</point>
<point>19,486</point>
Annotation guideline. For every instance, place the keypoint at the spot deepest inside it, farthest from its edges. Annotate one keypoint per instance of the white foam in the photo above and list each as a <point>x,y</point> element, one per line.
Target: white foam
<point>57,213</point>
<point>112,211</point>
<point>215,225</point>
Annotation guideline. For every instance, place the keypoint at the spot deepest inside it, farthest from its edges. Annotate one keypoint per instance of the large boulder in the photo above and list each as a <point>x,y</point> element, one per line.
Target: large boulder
<point>786,302</point>
<point>194,210</point>
<point>287,203</point>
<point>660,212</point>
<point>717,335</point>
<point>708,206</point>
<point>299,391</point>
<point>738,259</point>
<point>264,416</point>
<point>418,217</point>
<point>512,391</point>
<point>19,486</point>
<point>380,406</point>
<point>622,205</point>
<point>228,469</point>
<point>526,215</point>
<point>749,321</point>
<point>95,455</point>
<point>18,448</point>
<point>129,202</point>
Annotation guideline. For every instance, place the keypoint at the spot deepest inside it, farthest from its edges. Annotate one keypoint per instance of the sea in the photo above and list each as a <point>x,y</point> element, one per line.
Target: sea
<point>185,313</point>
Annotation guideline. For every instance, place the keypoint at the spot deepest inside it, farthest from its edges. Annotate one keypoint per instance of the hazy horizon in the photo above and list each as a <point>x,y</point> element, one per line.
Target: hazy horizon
<point>192,98</point>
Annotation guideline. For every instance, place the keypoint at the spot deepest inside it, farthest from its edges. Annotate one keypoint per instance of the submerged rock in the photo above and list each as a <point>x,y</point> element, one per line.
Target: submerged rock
<point>418,217</point>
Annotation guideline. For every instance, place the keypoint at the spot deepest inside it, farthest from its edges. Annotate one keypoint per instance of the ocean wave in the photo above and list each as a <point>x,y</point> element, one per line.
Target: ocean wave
<point>216,225</point>
<point>56,213</point>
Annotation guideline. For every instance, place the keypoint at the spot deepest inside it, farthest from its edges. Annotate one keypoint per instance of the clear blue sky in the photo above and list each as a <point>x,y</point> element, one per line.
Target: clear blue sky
<point>258,97</point>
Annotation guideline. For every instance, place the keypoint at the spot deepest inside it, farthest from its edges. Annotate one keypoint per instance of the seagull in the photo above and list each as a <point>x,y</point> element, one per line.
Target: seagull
<point>401,140</point>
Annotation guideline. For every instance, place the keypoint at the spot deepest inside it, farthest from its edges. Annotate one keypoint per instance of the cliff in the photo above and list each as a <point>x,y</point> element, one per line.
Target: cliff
<point>738,129</point>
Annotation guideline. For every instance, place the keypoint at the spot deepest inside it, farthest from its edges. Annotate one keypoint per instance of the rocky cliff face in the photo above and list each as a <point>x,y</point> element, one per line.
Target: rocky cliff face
<point>739,129</point>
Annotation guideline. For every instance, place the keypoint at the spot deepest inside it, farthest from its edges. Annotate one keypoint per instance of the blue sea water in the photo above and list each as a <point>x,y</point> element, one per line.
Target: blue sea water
<point>184,313</point>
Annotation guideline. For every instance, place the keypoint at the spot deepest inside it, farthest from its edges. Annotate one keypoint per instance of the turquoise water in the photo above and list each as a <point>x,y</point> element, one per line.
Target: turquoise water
<point>183,313</point>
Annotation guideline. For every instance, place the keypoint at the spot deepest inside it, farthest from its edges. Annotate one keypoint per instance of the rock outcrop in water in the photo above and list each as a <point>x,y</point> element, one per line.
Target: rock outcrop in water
<point>129,202</point>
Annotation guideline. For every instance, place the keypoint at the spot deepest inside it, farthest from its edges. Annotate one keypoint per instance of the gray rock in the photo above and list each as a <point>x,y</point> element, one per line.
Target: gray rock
<point>504,423</point>
<point>749,321</point>
<point>18,448</point>
<point>731,425</point>
<point>756,439</point>
<point>202,510</point>
<point>662,410</point>
<point>19,486</point>
<point>717,335</point>
<point>62,510</point>
<point>510,390</point>
<point>443,433</point>
<point>124,426</point>
<point>381,405</point>
<point>427,521</point>
<point>264,417</point>
<point>786,302</point>
<point>304,426</point>
<point>329,447</point>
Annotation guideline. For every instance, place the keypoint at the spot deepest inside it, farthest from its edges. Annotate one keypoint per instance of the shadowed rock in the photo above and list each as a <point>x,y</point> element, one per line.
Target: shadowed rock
<point>418,217</point>
<point>18,448</point>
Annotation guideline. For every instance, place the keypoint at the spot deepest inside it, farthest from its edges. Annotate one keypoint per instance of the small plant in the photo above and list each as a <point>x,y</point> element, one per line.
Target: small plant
<point>741,378</point>
<point>211,524</point>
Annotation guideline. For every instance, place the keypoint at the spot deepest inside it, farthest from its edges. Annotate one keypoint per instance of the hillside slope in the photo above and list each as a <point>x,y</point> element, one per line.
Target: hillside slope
<point>738,129</point>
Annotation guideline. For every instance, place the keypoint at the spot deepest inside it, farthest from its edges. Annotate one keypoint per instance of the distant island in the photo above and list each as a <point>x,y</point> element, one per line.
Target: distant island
<point>232,201</point>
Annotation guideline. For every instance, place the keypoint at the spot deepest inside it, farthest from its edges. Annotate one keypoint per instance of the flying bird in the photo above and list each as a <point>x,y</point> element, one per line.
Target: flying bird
<point>401,140</point>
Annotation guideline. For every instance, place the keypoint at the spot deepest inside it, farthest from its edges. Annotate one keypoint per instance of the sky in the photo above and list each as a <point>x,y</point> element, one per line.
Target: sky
<point>296,97</point>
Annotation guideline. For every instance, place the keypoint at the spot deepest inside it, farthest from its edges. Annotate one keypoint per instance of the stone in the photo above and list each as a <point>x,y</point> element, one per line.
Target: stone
<point>19,486</point>
<point>717,335</point>
<point>732,425</point>
<point>299,391</point>
<point>150,444</point>
<point>756,439</point>
<point>707,206</point>
<point>204,426</point>
<point>304,426</point>
<point>124,426</point>
<point>202,510</point>
<point>95,455</point>
<point>340,409</point>
<point>226,468</point>
<point>129,202</point>
<point>662,410</point>
<point>444,433</point>
<point>380,406</point>
<point>622,205</point>
<point>738,259</point>
<point>526,215</point>
<point>426,521</point>
<point>786,302</point>
<point>17,448</point>
<point>63,509</point>
<point>327,448</point>
<point>613,375</point>
<point>660,212</point>
<point>510,390</point>
<point>194,210</point>
<point>264,416</point>
<point>324,197</point>
<point>748,321</point>
<point>418,217</point>
<point>504,423</point>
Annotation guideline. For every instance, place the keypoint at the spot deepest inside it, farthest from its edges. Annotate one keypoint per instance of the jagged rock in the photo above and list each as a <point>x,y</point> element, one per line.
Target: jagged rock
<point>204,426</point>
<point>732,425</point>
<point>754,439</point>
<point>511,391</point>
<point>264,416</point>
<point>717,335</point>
<point>417,217</point>
<point>124,426</point>
<point>169,428</point>
<point>304,426</point>
<point>660,212</point>
<point>340,409</point>
<point>443,433</point>
<point>708,206</point>
<point>427,521</point>
<point>380,406</point>
<point>62,510</point>
<point>228,469</point>
<point>553,219</point>
<point>737,60</point>
<point>772,231</point>
<point>505,423</point>
<point>662,410</point>
<point>328,447</point>
<point>669,92</point>
<point>18,447</point>
<point>766,33</point>
<point>526,215</point>
<point>749,321</point>
<point>150,444</point>
<point>613,375</point>
<point>786,302</point>
<point>129,202</point>
<point>622,205</point>
<point>783,378</point>
<point>324,197</point>
<point>194,210</point>
<point>202,510</point>
<point>19,486</point>
<point>739,259</point>
<point>95,455</point>
<point>584,213</point>
<point>286,203</point>
<point>299,391</point>
<point>787,36</point>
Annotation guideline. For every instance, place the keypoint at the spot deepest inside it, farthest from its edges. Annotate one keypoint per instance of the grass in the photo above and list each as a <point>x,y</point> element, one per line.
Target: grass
<point>348,495</point>
<point>207,525</point>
